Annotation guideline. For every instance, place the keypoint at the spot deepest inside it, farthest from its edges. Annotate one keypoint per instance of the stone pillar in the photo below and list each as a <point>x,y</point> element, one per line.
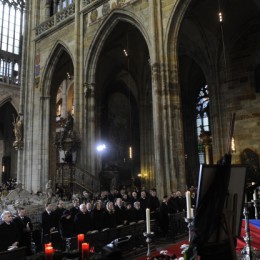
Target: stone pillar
<point>91,137</point>
<point>55,6</point>
<point>2,153</point>
<point>47,9</point>
<point>64,107</point>
<point>44,174</point>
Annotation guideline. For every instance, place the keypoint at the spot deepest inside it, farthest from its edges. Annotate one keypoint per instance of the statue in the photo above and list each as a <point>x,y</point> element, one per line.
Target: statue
<point>18,129</point>
<point>18,132</point>
<point>48,187</point>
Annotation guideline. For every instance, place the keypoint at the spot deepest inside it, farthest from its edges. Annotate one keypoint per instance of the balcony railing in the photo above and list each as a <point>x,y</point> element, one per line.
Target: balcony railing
<point>56,19</point>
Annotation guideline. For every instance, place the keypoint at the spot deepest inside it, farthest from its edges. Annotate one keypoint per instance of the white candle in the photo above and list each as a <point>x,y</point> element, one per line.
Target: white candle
<point>255,194</point>
<point>148,224</point>
<point>192,213</point>
<point>188,204</point>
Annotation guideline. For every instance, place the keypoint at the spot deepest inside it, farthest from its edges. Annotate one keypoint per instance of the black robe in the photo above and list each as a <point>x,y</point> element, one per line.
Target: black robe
<point>82,223</point>
<point>98,219</point>
<point>9,233</point>
<point>24,233</point>
<point>66,227</point>
<point>110,219</point>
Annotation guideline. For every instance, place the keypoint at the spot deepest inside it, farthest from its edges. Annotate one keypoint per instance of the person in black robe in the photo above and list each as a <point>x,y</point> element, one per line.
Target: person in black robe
<point>143,202</point>
<point>48,223</point>
<point>74,210</point>
<point>66,225</point>
<point>110,216</point>
<point>98,216</point>
<point>163,216</point>
<point>181,202</point>
<point>172,204</point>
<point>82,220</point>
<point>9,232</point>
<point>58,212</point>
<point>139,215</point>
<point>120,212</point>
<point>154,204</point>
<point>130,213</point>
<point>24,224</point>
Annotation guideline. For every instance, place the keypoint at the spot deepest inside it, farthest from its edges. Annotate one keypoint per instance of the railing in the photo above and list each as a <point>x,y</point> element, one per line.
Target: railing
<point>98,8</point>
<point>56,19</point>
<point>19,253</point>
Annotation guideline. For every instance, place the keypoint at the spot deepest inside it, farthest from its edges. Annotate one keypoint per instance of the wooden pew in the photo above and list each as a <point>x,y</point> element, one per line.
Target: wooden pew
<point>15,254</point>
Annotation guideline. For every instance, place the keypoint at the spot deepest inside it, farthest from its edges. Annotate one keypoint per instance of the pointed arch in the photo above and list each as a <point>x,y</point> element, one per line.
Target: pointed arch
<point>104,31</point>
<point>8,98</point>
<point>58,50</point>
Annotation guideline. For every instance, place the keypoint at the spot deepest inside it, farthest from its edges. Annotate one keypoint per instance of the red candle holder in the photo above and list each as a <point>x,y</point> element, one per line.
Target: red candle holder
<point>49,253</point>
<point>48,245</point>
<point>85,251</point>
<point>80,241</point>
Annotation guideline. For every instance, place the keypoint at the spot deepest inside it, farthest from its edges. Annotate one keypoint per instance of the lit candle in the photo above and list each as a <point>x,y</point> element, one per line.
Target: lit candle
<point>85,251</point>
<point>49,253</point>
<point>188,204</point>
<point>48,245</point>
<point>80,241</point>
<point>148,224</point>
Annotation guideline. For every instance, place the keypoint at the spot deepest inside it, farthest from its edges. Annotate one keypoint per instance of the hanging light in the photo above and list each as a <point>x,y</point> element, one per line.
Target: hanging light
<point>220,17</point>
<point>125,52</point>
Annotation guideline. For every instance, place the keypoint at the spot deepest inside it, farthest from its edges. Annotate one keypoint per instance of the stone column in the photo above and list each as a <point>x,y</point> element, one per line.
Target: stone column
<point>64,107</point>
<point>90,125</point>
<point>47,9</point>
<point>2,153</point>
<point>55,5</point>
<point>44,172</point>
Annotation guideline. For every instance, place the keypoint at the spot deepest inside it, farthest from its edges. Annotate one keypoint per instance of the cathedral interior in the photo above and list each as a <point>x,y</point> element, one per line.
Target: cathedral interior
<point>132,94</point>
<point>96,94</point>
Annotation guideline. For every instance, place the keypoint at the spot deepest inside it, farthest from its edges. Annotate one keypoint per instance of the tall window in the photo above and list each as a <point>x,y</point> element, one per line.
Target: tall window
<point>11,29</point>
<point>202,121</point>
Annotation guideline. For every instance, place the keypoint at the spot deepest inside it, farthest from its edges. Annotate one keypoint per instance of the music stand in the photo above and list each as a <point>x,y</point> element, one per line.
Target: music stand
<point>232,211</point>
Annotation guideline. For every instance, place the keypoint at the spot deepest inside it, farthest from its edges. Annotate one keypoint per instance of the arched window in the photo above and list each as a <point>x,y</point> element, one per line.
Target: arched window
<point>11,30</point>
<point>202,121</point>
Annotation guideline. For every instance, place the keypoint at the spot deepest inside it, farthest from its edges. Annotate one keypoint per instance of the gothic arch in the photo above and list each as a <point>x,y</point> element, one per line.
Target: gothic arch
<point>8,98</point>
<point>51,63</point>
<point>119,74</point>
<point>53,74</point>
<point>103,32</point>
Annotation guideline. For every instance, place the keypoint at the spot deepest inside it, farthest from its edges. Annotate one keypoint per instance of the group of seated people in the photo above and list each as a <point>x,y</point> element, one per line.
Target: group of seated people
<point>84,217</point>
<point>88,213</point>
<point>108,210</point>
